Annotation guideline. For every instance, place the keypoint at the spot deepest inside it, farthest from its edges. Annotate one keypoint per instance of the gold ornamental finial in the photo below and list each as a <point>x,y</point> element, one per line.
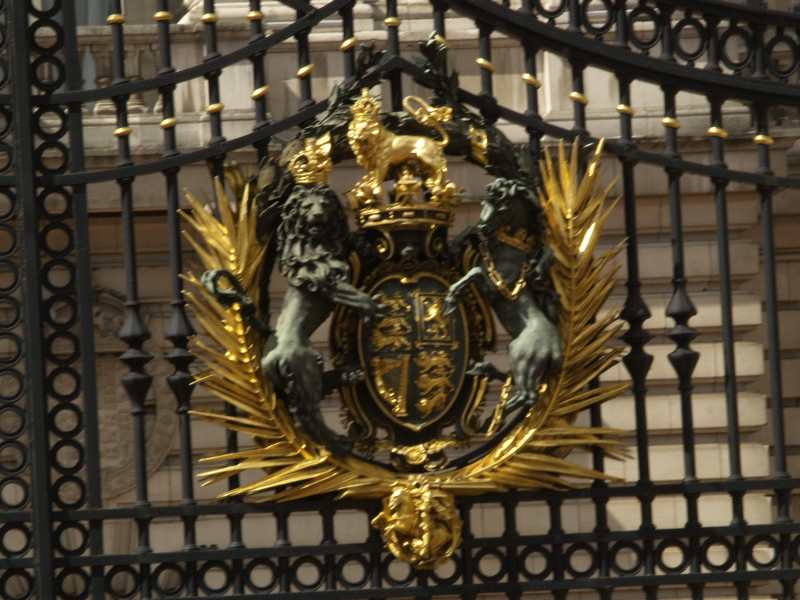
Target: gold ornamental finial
<point>313,163</point>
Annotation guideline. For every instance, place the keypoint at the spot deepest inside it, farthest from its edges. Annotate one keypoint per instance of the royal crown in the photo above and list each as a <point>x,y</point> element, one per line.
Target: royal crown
<point>313,163</point>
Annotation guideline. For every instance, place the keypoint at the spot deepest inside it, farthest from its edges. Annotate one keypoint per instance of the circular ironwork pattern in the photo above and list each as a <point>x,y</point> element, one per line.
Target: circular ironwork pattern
<point>598,27</point>
<point>530,556</point>
<point>254,569</point>
<point>72,583</point>
<point>572,558</point>
<point>122,582</point>
<point>16,584</point>
<point>774,56</point>
<point>346,561</point>
<point>551,13</point>
<point>641,20</point>
<point>690,30</point>
<point>16,538</point>
<point>728,43</point>
<point>667,546</point>
<point>168,579</point>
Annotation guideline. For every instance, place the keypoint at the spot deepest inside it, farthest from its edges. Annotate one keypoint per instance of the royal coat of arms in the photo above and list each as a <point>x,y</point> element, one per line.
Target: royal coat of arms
<point>426,414</point>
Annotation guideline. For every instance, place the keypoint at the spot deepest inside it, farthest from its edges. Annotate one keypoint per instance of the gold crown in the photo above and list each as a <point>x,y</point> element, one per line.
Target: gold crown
<point>408,208</point>
<point>313,163</point>
<point>365,107</point>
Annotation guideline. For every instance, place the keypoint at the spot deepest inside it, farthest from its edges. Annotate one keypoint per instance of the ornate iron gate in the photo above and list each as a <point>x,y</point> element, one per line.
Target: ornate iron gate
<point>53,524</point>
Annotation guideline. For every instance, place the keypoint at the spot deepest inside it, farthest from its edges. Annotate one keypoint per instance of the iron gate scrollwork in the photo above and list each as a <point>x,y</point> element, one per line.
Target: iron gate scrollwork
<point>738,63</point>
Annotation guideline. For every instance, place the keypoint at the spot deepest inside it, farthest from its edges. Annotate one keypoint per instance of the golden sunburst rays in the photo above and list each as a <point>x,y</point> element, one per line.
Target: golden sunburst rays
<point>534,455</point>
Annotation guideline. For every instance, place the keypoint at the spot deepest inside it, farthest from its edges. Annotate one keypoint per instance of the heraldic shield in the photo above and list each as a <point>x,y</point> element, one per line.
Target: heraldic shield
<point>427,412</point>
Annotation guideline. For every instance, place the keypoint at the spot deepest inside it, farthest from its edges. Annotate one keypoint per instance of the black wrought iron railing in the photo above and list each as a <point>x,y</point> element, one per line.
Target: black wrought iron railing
<point>56,531</point>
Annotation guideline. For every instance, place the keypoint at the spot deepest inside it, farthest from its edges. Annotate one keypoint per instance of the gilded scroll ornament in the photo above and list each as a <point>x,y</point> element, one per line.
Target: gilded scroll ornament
<point>412,314</point>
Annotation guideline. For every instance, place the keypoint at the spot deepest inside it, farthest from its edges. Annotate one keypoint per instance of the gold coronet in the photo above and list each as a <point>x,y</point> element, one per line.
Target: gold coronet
<point>625,109</point>
<point>313,163</point>
<point>209,18</point>
<point>162,15</point>
<point>347,44</point>
<point>122,131</point>
<point>304,71</point>
<point>763,140</point>
<point>485,65</point>
<point>579,98</point>
<point>167,123</point>
<point>116,19</point>
<point>671,122</point>
<point>259,93</point>
<point>531,80</point>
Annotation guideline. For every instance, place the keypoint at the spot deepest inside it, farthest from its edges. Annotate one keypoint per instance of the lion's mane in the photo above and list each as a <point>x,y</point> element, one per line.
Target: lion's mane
<point>307,263</point>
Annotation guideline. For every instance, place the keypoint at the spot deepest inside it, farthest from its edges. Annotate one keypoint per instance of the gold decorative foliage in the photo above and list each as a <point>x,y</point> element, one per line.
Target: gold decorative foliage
<point>532,456</point>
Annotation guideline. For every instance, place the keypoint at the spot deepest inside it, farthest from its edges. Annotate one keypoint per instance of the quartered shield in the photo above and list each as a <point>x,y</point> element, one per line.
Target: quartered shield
<point>414,356</point>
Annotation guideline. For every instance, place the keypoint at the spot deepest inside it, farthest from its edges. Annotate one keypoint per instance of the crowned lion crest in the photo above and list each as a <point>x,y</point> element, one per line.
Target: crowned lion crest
<point>428,412</point>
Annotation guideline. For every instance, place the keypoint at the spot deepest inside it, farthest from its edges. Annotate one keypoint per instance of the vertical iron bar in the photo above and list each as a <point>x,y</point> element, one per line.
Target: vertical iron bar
<point>32,295</point>
<point>133,332</point>
<point>464,511</point>
<point>304,67</point>
<point>759,53</point>
<point>374,540</point>
<point>328,539</point>
<point>349,41</point>
<point>260,87</point>
<point>85,299</point>
<point>178,329</point>
<point>282,541</point>
<point>574,24</point>
<point>511,536</point>
<point>579,100</point>
<point>731,400</point>
<point>485,60</point>
<point>763,142</point>
<point>726,306</point>
<point>712,23</point>
<point>635,312</point>
<point>215,106</point>
<point>621,24</point>
<point>665,24</point>
<point>531,91</point>
<point>439,10</point>
<point>214,110</point>
<point>392,22</point>
<point>556,533</point>
<point>681,309</point>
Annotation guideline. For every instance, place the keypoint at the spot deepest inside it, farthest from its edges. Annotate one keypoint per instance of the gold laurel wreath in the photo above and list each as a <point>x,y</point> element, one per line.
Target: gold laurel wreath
<point>532,456</point>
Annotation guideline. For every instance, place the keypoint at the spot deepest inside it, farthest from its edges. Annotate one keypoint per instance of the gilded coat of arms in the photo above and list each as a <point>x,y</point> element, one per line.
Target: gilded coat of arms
<point>427,413</point>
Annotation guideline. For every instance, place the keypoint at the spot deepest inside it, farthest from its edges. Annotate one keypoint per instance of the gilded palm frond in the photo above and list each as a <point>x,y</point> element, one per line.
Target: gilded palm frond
<point>534,455</point>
